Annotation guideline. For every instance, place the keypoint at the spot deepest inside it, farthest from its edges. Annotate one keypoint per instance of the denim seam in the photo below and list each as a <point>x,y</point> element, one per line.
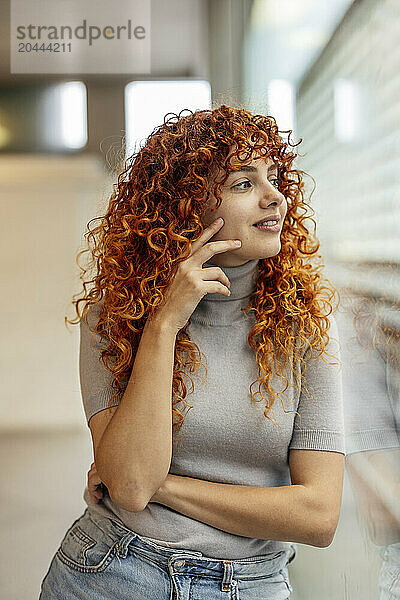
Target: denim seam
<point>106,560</point>
<point>154,562</point>
<point>97,524</point>
<point>193,581</point>
<point>81,535</point>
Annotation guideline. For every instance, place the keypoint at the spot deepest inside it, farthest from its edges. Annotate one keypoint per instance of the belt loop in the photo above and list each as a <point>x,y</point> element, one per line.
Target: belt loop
<point>123,544</point>
<point>226,581</point>
<point>293,554</point>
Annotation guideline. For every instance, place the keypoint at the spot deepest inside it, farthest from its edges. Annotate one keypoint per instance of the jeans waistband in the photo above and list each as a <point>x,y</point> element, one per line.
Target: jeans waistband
<point>173,558</point>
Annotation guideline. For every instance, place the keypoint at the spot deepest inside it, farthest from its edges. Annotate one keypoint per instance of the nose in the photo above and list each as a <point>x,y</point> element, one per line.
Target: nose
<point>274,198</point>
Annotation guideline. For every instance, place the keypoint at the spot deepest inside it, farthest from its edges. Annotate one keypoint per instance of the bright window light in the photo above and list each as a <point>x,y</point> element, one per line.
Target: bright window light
<point>147,103</point>
<point>65,116</point>
<point>346,109</point>
<point>5,136</point>
<point>73,114</point>
<point>281,103</point>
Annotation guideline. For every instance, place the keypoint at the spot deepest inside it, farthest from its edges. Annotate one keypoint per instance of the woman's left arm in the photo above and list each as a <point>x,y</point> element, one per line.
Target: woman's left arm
<point>306,511</point>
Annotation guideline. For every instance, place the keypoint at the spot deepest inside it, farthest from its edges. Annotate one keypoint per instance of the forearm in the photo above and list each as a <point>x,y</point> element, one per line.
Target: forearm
<point>286,513</point>
<point>136,448</point>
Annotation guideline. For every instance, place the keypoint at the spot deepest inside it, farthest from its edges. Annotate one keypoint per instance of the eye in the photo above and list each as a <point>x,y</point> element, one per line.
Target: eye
<point>237,186</point>
<point>277,181</point>
<point>242,183</point>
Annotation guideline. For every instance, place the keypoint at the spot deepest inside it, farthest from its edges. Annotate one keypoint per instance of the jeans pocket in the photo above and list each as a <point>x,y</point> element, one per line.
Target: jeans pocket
<point>274,586</point>
<point>85,548</point>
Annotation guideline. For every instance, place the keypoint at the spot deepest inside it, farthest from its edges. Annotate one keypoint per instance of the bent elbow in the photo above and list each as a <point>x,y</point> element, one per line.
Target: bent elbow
<point>129,497</point>
<point>324,533</point>
<point>325,541</point>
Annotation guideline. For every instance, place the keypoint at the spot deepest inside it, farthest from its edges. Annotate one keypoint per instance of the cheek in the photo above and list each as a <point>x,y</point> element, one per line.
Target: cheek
<point>237,224</point>
<point>208,217</point>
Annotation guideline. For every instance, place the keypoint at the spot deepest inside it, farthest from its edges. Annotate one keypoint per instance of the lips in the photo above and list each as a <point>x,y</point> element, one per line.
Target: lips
<point>270,218</point>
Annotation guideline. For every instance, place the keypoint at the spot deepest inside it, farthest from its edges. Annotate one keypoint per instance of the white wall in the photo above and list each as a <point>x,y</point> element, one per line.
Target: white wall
<point>46,202</point>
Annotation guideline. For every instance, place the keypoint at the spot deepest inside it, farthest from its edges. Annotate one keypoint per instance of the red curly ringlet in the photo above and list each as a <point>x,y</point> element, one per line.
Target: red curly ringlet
<point>153,216</point>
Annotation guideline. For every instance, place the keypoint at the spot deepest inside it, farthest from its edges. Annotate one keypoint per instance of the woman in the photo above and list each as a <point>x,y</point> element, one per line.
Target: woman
<point>219,510</point>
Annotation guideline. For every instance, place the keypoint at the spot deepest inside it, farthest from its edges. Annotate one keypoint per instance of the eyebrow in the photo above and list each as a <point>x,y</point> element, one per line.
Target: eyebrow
<point>250,169</point>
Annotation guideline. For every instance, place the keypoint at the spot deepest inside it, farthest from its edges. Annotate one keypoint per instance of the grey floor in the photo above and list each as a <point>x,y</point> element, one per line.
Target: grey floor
<point>43,476</point>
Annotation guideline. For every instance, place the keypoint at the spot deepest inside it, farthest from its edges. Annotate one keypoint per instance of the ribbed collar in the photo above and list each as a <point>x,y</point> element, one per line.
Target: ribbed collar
<point>217,309</point>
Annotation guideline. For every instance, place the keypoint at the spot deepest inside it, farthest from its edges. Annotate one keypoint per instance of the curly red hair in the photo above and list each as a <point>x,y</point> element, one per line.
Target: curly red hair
<point>153,216</point>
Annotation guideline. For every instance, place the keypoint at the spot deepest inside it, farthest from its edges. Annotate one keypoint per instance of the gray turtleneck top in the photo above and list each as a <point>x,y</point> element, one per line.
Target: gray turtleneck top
<point>227,437</point>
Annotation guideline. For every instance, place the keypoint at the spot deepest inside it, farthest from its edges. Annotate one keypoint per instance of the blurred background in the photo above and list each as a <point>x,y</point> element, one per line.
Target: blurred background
<point>328,71</point>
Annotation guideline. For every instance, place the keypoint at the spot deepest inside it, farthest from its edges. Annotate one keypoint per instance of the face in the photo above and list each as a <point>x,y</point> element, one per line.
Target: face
<point>248,196</point>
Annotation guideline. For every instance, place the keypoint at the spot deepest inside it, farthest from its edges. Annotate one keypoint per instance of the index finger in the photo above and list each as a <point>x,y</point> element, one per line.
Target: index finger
<point>208,232</point>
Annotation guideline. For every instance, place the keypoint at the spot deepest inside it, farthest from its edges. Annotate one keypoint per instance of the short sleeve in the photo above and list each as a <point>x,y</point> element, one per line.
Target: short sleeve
<point>95,379</point>
<point>320,425</point>
<point>370,390</point>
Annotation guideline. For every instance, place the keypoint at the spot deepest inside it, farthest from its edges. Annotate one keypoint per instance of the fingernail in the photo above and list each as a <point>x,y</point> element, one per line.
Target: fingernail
<point>219,220</point>
<point>238,242</point>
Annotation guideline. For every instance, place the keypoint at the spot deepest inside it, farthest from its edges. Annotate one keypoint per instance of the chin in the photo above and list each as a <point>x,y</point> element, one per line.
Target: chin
<point>272,253</point>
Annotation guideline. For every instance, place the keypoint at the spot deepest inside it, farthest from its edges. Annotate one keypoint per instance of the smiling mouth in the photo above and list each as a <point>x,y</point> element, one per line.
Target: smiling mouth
<point>273,228</point>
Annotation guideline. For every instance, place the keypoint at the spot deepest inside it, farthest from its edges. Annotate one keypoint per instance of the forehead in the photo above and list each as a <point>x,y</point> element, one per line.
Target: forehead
<point>255,161</point>
<point>259,163</point>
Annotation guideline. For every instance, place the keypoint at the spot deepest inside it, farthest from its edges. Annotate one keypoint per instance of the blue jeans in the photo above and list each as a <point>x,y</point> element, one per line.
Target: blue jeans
<point>100,558</point>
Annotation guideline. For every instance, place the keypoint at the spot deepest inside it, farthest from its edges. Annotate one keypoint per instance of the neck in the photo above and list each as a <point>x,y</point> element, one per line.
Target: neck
<point>218,309</point>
